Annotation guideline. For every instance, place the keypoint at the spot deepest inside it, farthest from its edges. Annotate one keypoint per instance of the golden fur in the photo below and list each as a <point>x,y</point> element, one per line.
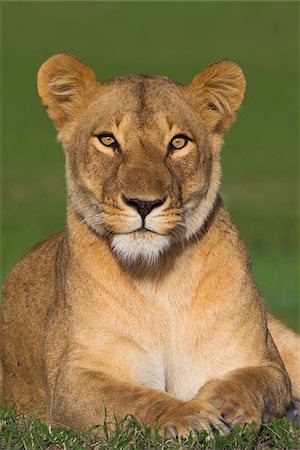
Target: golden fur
<point>146,303</point>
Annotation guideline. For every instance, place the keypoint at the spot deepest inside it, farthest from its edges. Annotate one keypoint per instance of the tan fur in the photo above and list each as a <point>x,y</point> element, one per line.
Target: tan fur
<point>163,322</point>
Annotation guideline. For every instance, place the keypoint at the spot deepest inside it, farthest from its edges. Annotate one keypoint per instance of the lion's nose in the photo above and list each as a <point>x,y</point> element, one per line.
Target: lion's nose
<point>143,207</point>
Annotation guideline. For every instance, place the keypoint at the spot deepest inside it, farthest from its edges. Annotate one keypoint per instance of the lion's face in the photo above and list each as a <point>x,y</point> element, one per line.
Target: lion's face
<point>140,162</point>
<point>142,153</point>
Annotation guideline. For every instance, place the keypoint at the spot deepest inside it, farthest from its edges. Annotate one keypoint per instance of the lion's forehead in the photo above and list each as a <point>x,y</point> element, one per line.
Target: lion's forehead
<point>145,101</point>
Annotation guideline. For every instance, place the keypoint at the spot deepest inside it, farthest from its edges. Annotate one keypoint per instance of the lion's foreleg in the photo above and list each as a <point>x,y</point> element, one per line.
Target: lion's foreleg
<point>83,398</point>
<point>251,393</point>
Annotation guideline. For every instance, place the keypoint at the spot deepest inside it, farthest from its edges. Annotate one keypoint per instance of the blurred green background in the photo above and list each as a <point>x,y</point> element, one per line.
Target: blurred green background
<point>177,39</point>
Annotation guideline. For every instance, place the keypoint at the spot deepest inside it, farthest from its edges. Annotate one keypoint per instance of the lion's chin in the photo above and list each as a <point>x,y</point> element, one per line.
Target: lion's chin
<point>140,246</point>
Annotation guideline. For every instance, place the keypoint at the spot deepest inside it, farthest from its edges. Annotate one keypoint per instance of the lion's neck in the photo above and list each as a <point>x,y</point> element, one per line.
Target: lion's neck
<point>93,254</point>
<point>87,249</point>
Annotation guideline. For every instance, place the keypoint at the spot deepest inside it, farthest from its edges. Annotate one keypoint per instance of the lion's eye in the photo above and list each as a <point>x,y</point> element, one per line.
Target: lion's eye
<point>108,140</point>
<point>178,142</point>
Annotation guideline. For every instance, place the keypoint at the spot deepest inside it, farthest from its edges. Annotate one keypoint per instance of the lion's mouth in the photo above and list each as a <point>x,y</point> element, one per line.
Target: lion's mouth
<point>140,245</point>
<point>144,232</point>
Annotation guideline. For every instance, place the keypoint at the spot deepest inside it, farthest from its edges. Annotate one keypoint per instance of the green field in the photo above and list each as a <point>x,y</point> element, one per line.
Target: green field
<point>260,157</point>
<point>26,433</point>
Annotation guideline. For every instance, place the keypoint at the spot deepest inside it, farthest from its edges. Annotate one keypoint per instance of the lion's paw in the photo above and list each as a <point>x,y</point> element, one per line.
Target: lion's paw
<point>195,416</point>
<point>293,412</point>
<point>236,412</point>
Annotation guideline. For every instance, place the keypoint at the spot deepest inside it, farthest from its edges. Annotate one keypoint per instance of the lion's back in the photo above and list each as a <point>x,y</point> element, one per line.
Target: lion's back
<point>27,293</point>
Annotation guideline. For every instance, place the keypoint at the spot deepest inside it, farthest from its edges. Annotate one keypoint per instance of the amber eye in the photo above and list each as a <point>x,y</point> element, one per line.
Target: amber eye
<point>108,140</point>
<point>178,142</point>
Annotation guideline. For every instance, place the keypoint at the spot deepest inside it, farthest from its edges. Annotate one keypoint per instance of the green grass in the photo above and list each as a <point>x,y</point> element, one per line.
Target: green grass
<point>24,432</point>
<point>178,39</point>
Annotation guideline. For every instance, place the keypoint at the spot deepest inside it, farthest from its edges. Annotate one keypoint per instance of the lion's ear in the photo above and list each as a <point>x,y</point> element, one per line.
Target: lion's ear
<point>65,85</point>
<point>217,92</point>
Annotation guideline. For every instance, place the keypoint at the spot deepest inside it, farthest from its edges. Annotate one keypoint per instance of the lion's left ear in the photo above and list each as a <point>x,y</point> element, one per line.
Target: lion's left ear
<point>217,92</point>
<point>66,85</point>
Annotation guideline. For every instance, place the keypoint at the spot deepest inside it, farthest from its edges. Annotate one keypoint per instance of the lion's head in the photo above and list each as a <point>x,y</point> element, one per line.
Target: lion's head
<point>142,152</point>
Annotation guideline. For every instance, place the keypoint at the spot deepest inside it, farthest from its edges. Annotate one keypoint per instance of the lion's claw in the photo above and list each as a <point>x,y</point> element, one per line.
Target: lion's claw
<point>202,418</point>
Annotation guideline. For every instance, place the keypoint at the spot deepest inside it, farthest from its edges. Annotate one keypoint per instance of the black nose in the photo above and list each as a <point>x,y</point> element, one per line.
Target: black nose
<point>143,207</point>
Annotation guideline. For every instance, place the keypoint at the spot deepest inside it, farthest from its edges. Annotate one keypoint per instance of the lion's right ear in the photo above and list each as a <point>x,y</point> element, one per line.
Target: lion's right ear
<point>66,86</point>
<point>217,92</point>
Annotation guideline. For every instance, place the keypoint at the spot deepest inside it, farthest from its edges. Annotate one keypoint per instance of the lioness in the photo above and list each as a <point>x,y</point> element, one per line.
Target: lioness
<point>146,303</point>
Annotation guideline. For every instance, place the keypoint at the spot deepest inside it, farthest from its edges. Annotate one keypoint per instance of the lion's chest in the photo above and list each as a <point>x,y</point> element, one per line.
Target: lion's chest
<point>180,363</point>
<point>186,370</point>
<point>158,340</point>
<point>177,349</point>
